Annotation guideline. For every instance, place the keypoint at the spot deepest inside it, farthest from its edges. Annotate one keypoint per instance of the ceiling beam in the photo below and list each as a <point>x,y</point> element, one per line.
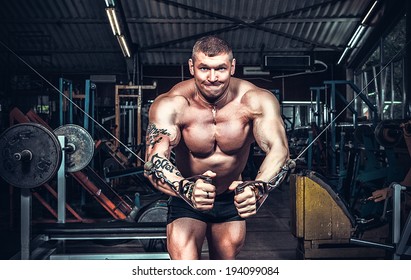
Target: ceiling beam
<point>222,21</point>
<point>53,21</point>
<point>188,38</point>
<point>291,12</point>
<point>239,24</point>
<point>251,50</point>
<point>80,21</point>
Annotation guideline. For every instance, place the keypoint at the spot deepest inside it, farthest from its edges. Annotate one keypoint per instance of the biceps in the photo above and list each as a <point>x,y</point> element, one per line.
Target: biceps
<point>269,134</point>
<point>160,140</point>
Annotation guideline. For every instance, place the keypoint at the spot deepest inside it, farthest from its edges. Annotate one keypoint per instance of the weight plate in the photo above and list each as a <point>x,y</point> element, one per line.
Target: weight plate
<point>388,133</point>
<point>30,155</point>
<point>79,146</point>
<point>156,212</point>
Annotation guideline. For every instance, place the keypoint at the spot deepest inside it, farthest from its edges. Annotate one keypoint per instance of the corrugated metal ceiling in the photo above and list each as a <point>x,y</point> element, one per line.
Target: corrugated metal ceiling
<point>75,36</point>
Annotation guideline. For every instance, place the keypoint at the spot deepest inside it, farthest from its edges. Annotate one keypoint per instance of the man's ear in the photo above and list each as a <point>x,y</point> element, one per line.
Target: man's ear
<point>191,66</point>
<point>233,66</point>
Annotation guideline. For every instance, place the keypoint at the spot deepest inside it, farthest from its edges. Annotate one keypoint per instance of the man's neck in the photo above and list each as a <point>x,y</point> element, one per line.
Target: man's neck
<point>215,102</point>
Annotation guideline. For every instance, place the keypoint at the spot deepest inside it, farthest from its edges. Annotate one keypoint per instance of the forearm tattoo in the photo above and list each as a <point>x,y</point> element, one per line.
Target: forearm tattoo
<point>184,188</point>
<point>161,164</point>
<point>157,166</point>
<point>155,135</point>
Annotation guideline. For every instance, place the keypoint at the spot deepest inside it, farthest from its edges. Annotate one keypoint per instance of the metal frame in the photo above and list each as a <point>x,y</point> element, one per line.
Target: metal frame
<point>63,84</point>
<point>399,237</point>
<point>26,208</point>
<point>119,256</point>
<point>139,98</point>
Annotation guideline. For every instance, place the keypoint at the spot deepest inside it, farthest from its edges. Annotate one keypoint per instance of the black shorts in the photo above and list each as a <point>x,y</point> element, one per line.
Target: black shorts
<point>224,210</point>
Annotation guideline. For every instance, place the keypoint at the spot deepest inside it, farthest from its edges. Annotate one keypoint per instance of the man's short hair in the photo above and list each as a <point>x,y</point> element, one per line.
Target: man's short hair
<point>212,46</point>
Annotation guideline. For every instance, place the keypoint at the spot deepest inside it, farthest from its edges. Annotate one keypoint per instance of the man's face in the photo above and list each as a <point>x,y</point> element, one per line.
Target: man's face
<point>212,74</point>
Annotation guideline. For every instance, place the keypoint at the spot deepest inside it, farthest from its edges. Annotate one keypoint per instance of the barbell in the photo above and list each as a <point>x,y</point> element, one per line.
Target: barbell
<point>31,154</point>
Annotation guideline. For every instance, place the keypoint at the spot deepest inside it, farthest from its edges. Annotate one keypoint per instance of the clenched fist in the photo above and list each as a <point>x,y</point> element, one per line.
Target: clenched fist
<point>204,193</point>
<point>245,201</point>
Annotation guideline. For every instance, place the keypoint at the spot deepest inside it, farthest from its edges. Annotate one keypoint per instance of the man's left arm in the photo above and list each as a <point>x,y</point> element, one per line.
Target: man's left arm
<point>269,133</point>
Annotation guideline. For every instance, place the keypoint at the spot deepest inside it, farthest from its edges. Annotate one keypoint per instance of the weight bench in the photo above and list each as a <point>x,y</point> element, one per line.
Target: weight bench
<point>109,231</point>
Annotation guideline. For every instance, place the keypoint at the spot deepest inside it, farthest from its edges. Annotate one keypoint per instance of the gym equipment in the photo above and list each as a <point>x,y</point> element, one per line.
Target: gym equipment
<point>66,88</point>
<point>117,230</point>
<point>32,154</point>
<point>373,162</point>
<point>123,92</point>
<point>327,228</point>
<point>88,178</point>
<point>400,234</point>
<point>26,147</point>
<point>155,212</point>
<point>262,189</point>
<point>388,133</point>
<point>323,223</point>
<point>79,146</point>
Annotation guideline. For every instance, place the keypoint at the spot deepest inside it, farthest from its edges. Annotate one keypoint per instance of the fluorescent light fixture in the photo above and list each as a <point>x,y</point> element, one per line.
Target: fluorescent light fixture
<point>343,55</point>
<point>115,27</point>
<point>356,37</point>
<point>112,17</point>
<point>369,12</point>
<point>393,102</point>
<point>123,44</point>
<point>358,33</point>
<point>110,3</point>
<point>353,41</point>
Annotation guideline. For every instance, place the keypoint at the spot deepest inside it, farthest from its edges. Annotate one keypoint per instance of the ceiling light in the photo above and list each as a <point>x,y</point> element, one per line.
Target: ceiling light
<point>369,12</point>
<point>358,33</point>
<point>343,55</point>
<point>112,17</point>
<point>123,44</point>
<point>356,37</point>
<point>110,3</point>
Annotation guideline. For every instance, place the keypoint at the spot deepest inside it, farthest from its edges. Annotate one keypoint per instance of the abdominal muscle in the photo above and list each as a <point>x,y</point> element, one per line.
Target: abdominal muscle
<point>226,157</point>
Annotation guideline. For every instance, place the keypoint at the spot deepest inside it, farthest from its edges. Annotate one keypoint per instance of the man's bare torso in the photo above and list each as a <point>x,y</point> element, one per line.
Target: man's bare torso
<point>215,138</point>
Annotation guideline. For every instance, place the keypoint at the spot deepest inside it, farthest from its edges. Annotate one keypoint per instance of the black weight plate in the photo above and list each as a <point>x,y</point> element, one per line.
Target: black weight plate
<point>45,150</point>
<point>388,133</point>
<point>77,137</point>
<point>156,212</point>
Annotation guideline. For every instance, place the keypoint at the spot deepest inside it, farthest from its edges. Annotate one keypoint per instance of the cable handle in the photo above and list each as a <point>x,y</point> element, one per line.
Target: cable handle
<point>262,189</point>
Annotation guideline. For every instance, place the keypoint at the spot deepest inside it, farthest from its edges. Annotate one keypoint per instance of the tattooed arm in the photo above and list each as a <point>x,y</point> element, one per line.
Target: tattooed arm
<point>162,135</point>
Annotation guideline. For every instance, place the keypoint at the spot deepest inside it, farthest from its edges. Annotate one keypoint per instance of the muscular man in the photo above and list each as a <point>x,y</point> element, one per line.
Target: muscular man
<point>210,121</point>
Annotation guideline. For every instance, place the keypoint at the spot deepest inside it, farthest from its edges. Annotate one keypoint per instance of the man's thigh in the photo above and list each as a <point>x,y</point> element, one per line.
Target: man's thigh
<point>185,237</point>
<point>225,240</point>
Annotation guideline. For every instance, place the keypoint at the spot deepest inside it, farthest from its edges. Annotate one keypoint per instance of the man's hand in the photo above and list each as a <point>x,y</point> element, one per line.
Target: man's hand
<point>204,193</point>
<point>380,195</point>
<point>245,202</point>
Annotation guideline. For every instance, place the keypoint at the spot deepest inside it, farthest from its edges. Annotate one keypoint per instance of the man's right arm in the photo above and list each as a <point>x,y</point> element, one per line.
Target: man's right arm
<point>162,135</point>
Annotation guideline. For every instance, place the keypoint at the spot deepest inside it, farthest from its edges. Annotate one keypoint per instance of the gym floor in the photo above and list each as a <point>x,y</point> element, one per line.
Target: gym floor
<point>268,233</point>
<point>269,236</point>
